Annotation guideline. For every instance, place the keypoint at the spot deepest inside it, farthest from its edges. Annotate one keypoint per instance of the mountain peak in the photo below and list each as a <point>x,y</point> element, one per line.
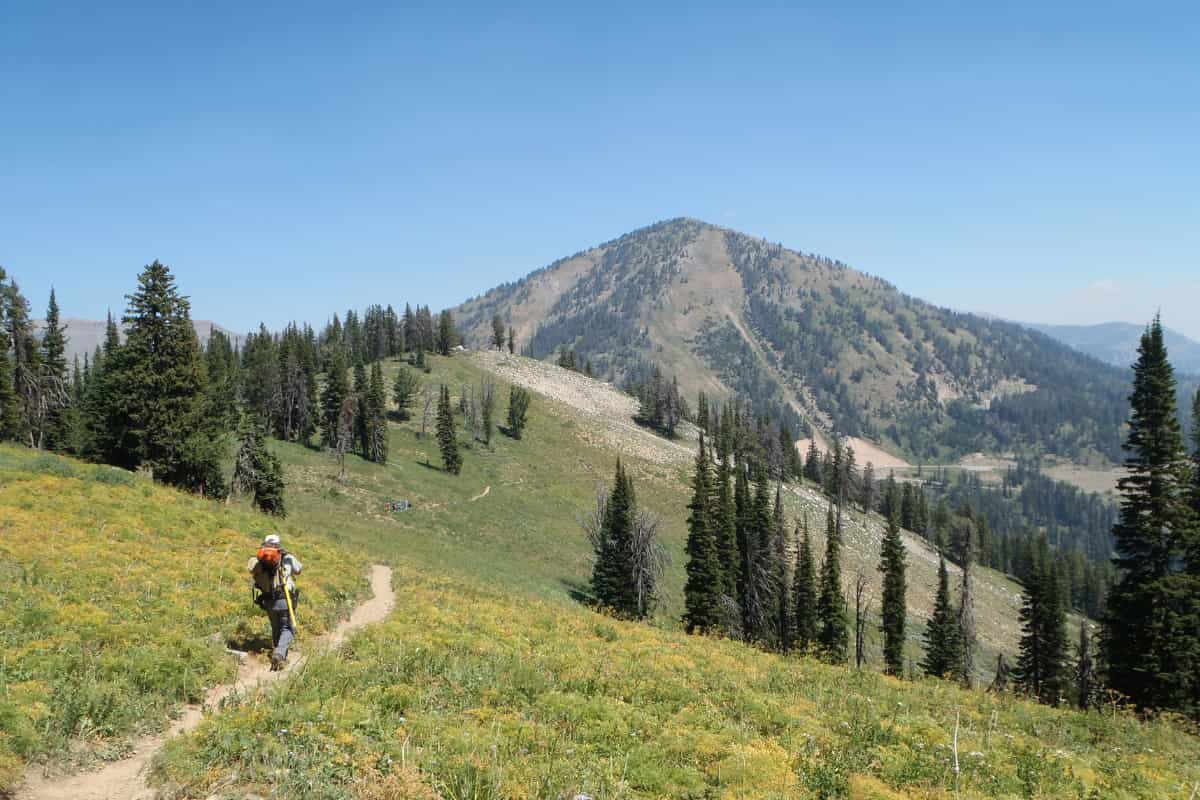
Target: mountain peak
<point>808,340</point>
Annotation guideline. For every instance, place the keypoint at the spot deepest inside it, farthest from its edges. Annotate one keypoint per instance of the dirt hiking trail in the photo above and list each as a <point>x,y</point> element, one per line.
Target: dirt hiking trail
<point>126,779</point>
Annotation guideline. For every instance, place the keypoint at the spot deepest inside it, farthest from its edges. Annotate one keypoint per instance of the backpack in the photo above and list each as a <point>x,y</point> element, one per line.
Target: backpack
<point>270,556</point>
<point>268,577</point>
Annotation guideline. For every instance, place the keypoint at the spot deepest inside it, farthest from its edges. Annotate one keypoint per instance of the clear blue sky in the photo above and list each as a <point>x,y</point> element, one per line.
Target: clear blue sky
<point>288,160</point>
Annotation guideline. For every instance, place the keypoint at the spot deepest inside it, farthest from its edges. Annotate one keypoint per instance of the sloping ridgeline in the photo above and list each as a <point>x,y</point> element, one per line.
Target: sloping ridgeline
<point>807,336</point>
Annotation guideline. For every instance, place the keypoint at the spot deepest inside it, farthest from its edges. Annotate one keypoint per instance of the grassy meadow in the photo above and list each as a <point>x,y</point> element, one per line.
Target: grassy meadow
<point>477,692</point>
<point>117,601</point>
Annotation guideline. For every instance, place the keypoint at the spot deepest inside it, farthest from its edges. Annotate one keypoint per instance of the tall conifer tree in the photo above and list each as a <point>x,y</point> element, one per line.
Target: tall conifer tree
<point>55,390</point>
<point>1085,670</point>
<point>447,336</point>
<point>702,591</point>
<point>257,471</point>
<point>804,594</point>
<point>446,435</point>
<point>10,412</point>
<point>1042,663</point>
<point>943,651</point>
<point>376,413</point>
<point>761,592</point>
<point>362,423</point>
<point>745,539</point>
<point>1151,636</point>
<point>833,638</point>
<point>725,529</point>
<point>158,385</point>
<point>894,607</point>
<point>782,602</point>
<point>337,389</point>
<point>612,575</point>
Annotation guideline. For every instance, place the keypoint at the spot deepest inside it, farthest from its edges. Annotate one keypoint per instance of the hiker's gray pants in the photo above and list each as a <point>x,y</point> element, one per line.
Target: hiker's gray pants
<point>281,626</point>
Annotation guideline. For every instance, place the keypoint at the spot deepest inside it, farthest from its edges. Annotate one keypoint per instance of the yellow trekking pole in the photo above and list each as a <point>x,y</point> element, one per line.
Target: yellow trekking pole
<point>291,609</point>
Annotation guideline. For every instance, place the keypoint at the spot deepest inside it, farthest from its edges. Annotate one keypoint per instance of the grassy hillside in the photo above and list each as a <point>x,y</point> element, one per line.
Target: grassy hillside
<point>117,600</point>
<point>472,692</point>
<point>810,337</point>
<point>524,533</point>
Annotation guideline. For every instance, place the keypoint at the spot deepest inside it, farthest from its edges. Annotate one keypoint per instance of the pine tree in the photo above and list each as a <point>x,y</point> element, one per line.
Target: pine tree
<point>158,383</point>
<point>55,389</point>
<point>866,496</point>
<point>612,581</point>
<point>702,590</point>
<point>761,592</point>
<point>1196,465</point>
<point>1151,636</point>
<point>10,411</point>
<point>966,618</point>
<point>404,389</point>
<point>446,435</point>
<point>833,638</point>
<point>1085,671</point>
<point>222,390</point>
<point>782,600</point>
<point>26,367</point>
<point>447,336</point>
<point>260,381</point>
<point>1041,664</point>
<point>725,533</point>
<point>257,471</point>
<point>518,410</point>
<point>337,389</point>
<point>376,414</point>
<point>512,340</point>
<point>942,648</point>
<point>498,331</point>
<point>107,434</point>
<point>812,464</point>
<point>894,607</point>
<point>804,594</point>
<point>362,424</point>
<point>743,529</point>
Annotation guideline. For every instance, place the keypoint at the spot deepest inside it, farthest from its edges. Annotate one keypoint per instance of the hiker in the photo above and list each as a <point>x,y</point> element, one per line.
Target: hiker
<point>272,570</point>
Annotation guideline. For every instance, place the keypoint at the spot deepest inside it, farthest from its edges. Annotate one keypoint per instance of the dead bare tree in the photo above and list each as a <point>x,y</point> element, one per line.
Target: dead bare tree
<point>862,606</point>
<point>592,520</point>
<point>966,624</point>
<point>487,406</point>
<point>42,395</point>
<point>649,559</point>
<point>345,433</point>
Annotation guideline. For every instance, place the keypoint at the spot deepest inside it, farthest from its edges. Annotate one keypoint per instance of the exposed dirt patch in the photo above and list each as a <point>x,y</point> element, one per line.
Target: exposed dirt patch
<point>608,413</point>
<point>864,452</point>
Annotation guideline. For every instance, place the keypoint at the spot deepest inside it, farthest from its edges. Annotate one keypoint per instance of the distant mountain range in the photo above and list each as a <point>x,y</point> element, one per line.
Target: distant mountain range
<point>1116,343</point>
<point>810,339</point>
<point>85,335</point>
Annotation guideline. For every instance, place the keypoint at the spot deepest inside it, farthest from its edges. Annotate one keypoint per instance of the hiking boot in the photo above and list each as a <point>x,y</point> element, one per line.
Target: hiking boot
<point>278,662</point>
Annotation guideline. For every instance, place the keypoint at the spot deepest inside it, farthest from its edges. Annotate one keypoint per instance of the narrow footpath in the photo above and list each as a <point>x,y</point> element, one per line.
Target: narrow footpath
<point>126,779</point>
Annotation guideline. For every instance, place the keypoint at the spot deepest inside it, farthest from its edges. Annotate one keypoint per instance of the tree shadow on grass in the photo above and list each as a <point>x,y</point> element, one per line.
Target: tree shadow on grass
<point>578,591</point>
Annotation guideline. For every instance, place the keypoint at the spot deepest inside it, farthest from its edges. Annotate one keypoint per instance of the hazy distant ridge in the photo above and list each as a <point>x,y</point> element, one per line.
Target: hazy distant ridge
<point>1116,343</point>
<point>84,335</point>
